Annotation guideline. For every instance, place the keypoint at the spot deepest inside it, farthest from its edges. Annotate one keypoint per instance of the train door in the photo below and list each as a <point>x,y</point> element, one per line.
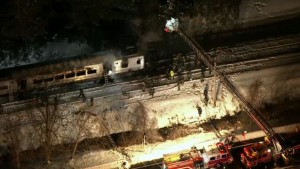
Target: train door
<point>22,84</point>
<point>124,63</point>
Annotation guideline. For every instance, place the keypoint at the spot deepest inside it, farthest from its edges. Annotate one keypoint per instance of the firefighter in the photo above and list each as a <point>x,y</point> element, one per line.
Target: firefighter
<point>81,94</point>
<point>199,109</point>
<point>92,101</point>
<point>205,93</point>
<point>144,139</point>
<point>152,91</point>
<point>172,74</point>
<point>244,134</point>
<point>125,165</point>
<point>194,149</point>
<point>189,75</point>
<point>143,87</point>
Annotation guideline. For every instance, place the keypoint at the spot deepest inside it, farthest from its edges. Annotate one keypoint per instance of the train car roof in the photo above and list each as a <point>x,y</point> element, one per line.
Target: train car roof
<point>60,65</point>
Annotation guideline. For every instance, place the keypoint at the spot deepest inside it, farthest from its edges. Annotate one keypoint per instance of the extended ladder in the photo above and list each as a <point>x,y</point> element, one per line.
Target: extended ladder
<point>252,112</point>
<point>257,117</point>
<point>105,76</point>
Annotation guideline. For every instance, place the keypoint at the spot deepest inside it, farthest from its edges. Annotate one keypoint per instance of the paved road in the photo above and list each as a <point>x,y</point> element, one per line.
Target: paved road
<point>251,137</point>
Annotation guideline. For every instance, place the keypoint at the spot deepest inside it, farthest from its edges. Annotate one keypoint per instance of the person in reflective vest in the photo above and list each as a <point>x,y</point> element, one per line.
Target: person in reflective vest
<point>172,74</point>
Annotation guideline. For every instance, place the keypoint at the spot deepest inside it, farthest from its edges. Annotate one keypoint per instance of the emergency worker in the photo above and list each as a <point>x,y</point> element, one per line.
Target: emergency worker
<point>152,91</point>
<point>172,74</point>
<point>80,93</point>
<point>189,75</point>
<point>92,101</point>
<point>125,165</point>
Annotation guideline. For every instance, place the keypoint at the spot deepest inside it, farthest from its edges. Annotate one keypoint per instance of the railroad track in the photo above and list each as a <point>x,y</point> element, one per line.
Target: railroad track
<point>117,89</point>
<point>234,62</point>
<point>257,49</point>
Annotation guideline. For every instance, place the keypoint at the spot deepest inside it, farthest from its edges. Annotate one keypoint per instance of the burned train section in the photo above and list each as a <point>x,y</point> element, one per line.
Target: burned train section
<point>99,68</point>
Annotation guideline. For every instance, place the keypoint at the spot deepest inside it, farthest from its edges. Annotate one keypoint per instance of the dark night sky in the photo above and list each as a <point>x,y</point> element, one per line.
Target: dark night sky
<point>117,23</point>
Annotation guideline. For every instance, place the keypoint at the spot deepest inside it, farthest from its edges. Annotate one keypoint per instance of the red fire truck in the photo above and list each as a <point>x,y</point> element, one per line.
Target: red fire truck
<point>213,156</point>
<point>256,154</point>
<point>216,156</point>
<point>190,159</point>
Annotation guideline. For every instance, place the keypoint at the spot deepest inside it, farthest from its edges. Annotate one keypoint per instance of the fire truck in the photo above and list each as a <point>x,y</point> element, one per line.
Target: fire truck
<point>257,154</point>
<point>216,156</point>
<point>213,156</point>
<point>190,159</point>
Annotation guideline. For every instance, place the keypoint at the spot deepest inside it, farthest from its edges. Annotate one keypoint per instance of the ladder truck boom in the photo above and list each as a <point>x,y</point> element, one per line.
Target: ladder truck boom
<point>173,25</point>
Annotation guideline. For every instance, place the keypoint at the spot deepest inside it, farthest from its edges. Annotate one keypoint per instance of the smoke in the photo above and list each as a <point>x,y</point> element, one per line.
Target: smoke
<point>195,25</point>
<point>285,85</point>
<point>147,38</point>
<point>64,49</point>
<point>49,51</point>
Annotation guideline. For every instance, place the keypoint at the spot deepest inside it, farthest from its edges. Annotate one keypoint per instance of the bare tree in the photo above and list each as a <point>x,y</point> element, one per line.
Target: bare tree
<point>81,121</point>
<point>12,134</point>
<point>46,119</point>
<point>142,123</point>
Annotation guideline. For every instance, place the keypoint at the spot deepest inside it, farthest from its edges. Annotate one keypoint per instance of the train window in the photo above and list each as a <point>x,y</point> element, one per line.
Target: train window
<point>92,71</point>
<point>80,73</point>
<point>22,83</point>
<point>224,155</point>
<point>70,75</point>
<point>49,79</point>
<point>124,63</point>
<point>37,81</point>
<point>59,77</point>
<point>138,61</point>
<point>3,87</point>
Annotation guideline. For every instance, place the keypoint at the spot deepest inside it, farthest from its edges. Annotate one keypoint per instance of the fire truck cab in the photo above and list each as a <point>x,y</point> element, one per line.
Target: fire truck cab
<point>216,156</point>
<point>189,159</point>
<point>256,154</point>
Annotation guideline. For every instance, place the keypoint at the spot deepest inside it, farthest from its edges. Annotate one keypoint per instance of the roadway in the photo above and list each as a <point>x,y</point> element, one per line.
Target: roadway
<point>251,137</point>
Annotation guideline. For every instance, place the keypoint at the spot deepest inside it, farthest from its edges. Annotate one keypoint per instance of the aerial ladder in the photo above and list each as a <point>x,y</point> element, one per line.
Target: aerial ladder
<point>172,25</point>
<point>105,76</point>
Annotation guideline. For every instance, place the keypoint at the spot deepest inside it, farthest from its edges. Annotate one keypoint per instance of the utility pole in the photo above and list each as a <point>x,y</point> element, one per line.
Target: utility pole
<point>215,85</point>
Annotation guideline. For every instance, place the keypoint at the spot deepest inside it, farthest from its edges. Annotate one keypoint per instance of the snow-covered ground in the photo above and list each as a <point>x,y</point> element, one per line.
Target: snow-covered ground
<point>277,83</point>
<point>169,106</point>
